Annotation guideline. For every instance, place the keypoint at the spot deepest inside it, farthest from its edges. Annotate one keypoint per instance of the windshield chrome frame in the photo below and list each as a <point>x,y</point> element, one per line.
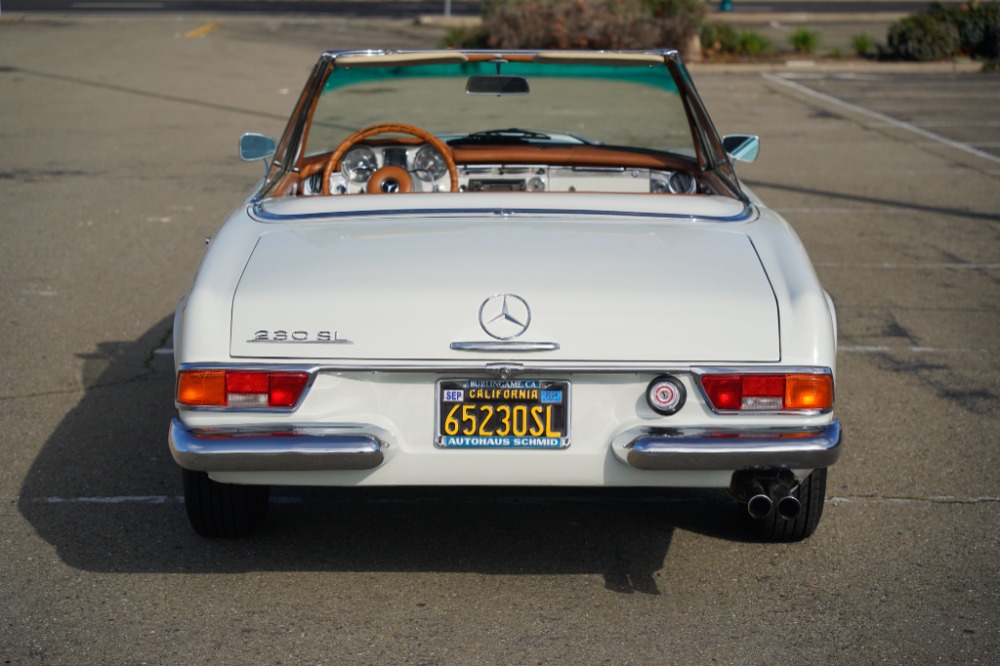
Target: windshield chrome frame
<point>710,154</point>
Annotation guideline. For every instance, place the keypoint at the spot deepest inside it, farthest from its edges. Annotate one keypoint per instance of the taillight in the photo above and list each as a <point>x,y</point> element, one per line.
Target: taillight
<point>240,388</point>
<point>769,392</point>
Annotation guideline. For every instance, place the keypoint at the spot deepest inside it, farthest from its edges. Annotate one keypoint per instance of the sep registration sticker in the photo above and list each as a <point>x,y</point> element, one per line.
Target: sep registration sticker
<point>502,413</point>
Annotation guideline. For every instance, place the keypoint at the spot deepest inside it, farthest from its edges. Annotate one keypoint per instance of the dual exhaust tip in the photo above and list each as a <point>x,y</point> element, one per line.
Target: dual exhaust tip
<point>764,496</point>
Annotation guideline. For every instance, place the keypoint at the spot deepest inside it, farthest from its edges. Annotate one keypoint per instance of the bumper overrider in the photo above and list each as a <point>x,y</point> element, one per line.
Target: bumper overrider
<point>329,449</point>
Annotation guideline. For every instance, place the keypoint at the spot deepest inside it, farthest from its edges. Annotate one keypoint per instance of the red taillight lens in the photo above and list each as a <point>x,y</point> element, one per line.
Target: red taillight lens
<point>724,391</point>
<point>769,392</point>
<point>240,388</point>
<point>284,389</point>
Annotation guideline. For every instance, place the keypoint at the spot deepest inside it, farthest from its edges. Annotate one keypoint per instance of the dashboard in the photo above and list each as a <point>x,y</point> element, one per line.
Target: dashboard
<point>406,167</point>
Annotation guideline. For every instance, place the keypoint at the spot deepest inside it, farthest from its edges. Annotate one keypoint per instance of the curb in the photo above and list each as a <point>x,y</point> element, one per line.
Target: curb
<point>959,66</point>
<point>804,17</point>
<point>746,18</point>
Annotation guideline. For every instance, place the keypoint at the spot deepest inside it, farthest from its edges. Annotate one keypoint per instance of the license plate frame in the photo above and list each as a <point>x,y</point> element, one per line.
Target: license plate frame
<point>502,414</point>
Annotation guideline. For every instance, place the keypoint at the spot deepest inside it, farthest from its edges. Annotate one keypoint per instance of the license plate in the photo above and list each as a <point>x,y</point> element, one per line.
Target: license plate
<point>502,413</point>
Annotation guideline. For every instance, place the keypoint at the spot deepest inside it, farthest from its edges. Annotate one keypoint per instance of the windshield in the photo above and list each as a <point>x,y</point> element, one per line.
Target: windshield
<point>634,105</point>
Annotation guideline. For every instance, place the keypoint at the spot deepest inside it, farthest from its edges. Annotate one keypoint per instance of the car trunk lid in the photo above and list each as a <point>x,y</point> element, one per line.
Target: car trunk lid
<point>422,289</point>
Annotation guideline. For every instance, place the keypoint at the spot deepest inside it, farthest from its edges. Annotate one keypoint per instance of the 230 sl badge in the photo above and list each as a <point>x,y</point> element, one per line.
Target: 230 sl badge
<point>300,336</point>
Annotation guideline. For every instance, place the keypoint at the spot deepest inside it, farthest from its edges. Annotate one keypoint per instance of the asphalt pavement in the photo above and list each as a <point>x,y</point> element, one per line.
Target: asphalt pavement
<point>119,136</point>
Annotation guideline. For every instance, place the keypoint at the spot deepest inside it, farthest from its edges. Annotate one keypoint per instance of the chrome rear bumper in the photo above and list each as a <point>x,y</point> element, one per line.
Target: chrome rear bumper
<point>718,449</point>
<point>327,449</point>
<point>268,450</point>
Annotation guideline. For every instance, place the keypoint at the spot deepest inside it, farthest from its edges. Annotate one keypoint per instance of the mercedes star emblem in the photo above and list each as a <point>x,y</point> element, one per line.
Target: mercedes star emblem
<point>504,316</point>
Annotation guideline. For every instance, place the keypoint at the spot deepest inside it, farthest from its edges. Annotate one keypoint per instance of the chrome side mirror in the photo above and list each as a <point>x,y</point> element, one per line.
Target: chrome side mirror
<point>255,147</point>
<point>742,147</point>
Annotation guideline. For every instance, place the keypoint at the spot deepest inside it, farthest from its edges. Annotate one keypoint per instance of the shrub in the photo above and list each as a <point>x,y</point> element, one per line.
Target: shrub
<point>922,37</point>
<point>804,40</point>
<point>978,26</point>
<point>752,43</point>
<point>947,30</point>
<point>721,39</point>
<point>718,38</point>
<point>862,44</point>
<point>592,24</point>
<point>464,38</point>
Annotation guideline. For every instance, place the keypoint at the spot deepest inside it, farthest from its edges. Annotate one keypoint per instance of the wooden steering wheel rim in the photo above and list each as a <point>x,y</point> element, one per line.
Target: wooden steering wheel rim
<point>334,160</point>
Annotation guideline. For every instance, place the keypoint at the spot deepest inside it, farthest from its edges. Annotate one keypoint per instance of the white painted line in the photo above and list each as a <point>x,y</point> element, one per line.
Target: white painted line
<point>961,123</point>
<point>933,499</point>
<point>140,499</point>
<point>164,351</point>
<point>843,211</point>
<point>879,116</point>
<point>117,5</point>
<point>912,267</point>
<point>119,499</point>
<point>928,95</point>
<point>885,349</point>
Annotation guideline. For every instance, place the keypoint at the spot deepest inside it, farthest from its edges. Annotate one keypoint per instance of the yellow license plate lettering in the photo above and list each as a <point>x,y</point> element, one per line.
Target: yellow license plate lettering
<point>520,418</point>
<point>469,419</point>
<point>537,427</point>
<point>484,424</point>
<point>549,431</point>
<point>451,424</point>
<point>505,420</point>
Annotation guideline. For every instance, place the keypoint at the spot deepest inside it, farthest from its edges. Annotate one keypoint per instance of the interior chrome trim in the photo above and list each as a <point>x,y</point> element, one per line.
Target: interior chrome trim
<point>259,212</point>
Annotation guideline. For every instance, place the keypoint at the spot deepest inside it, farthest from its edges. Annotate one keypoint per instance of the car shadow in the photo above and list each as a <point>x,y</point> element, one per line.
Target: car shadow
<point>106,494</point>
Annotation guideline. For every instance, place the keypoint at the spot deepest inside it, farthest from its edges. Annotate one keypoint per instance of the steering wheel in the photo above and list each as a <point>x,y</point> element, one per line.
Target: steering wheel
<point>389,178</point>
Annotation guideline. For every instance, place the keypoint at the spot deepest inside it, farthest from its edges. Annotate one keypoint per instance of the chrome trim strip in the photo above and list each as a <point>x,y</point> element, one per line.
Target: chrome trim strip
<point>434,366</point>
<point>273,449</point>
<point>505,346</point>
<point>662,449</point>
<point>258,212</point>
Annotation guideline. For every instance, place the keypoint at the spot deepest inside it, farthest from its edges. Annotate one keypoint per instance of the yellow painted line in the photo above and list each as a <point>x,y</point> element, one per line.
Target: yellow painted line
<point>201,30</point>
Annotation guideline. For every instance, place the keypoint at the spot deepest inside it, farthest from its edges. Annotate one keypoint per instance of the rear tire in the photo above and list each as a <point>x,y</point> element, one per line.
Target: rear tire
<point>811,494</point>
<point>223,509</point>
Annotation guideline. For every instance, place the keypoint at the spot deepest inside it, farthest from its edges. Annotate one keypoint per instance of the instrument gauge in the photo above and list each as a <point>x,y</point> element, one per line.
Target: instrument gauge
<point>429,165</point>
<point>358,164</point>
<point>681,182</point>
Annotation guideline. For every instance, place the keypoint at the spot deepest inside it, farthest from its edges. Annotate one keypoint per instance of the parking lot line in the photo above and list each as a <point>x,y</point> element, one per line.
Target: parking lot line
<point>829,99</point>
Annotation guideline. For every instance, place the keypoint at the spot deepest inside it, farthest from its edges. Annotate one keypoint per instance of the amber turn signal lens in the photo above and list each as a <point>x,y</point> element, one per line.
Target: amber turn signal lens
<point>808,392</point>
<point>202,388</point>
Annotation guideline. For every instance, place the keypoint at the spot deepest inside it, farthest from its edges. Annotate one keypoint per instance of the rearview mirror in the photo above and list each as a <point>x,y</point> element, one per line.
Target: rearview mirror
<point>255,147</point>
<point>742,147</point>
<point>497,85</point>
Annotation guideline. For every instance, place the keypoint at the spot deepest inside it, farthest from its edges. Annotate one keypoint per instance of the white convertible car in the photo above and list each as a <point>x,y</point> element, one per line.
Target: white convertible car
<point>474,268</point>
